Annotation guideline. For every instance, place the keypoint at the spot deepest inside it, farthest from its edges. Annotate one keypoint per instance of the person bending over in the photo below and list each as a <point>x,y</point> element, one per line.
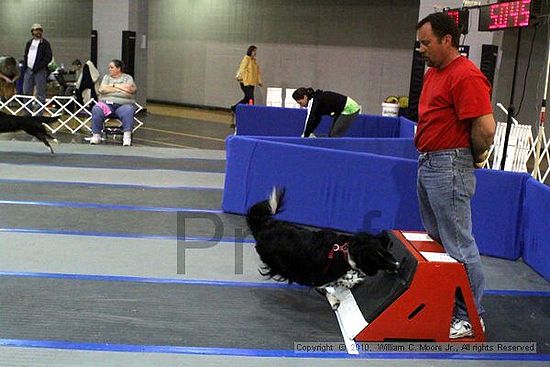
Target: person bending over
<point>343,109</point>
<point>116,99</point>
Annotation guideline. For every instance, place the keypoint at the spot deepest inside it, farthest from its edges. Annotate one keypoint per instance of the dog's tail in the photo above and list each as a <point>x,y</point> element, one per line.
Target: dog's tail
<point>260,213</point>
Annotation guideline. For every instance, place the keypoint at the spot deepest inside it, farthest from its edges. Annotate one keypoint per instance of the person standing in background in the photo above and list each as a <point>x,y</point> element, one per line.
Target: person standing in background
<point>38,54</point>
<point>248,76</point>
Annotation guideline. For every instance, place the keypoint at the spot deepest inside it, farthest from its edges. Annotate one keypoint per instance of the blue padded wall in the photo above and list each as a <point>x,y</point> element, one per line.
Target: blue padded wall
<point>497,210</point>
<point>344,190</point>
<point>277,121</point>
<point>394,147</point>
<point>352,189</point>
<point>536,227</point>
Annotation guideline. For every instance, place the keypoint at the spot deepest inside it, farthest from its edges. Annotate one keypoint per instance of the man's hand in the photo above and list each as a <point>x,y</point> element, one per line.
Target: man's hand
<point>480,160</point>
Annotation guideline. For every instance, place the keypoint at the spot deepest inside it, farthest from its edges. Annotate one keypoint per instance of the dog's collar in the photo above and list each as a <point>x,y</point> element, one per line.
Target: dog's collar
<point>344,248</point>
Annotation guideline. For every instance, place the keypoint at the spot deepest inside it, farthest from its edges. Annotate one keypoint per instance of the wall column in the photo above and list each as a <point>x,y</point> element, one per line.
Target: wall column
<point>110,18</point>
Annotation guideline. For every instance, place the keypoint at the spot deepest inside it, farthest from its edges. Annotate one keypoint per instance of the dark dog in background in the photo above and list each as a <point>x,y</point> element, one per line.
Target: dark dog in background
<point>9,74</point>
<point>32,125</point>
<point>317,258</point>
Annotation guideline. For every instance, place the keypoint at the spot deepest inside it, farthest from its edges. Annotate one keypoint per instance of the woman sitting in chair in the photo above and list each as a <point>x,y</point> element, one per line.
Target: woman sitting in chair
<point>116,99</point>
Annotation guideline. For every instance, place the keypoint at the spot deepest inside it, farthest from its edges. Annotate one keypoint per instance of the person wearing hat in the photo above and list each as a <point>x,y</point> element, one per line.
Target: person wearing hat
<point>38,54</point>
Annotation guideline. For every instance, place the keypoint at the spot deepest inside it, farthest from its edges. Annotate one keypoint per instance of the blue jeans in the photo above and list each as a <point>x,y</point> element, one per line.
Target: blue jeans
<point>445,186</point>
<point>124,112</point>
<point>38,79</point>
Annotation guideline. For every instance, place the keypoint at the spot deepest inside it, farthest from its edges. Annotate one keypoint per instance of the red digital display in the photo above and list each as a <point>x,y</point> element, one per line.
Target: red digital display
<point>455,14</point>
<point>511,14</point>
<point>460,17</point>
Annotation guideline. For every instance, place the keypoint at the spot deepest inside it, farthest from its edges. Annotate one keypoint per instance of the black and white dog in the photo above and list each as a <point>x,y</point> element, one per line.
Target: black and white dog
<point>317,258</point>
<point>32,125</point>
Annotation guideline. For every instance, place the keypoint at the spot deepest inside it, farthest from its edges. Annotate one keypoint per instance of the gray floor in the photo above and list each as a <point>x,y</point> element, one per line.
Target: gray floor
<point>82,212</point>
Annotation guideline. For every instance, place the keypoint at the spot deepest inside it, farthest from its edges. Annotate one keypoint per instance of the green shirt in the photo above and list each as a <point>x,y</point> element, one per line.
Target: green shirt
<point>351,107</point>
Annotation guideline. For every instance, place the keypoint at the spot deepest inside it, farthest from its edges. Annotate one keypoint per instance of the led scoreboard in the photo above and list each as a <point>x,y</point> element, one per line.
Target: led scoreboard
<point>460,16</point>
<point>509,14</point>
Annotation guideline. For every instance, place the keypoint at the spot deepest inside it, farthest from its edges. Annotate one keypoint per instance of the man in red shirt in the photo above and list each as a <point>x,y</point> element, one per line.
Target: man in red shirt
<point>455,129</point>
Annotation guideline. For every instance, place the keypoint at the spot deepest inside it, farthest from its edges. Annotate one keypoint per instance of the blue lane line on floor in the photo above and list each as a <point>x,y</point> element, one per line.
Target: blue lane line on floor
<point>124,158</point>
<point>118,185</point>
<point>513,292</point>
<point>229,240</point>
<point>72,204</point>
<point>219,283</point>
<point>56,165</point>
<point>223,240</point>
<point>277,353</point>
<point>132,279</point>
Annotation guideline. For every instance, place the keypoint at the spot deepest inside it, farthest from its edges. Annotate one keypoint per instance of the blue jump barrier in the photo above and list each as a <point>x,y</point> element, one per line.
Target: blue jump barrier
<point>277,121</point>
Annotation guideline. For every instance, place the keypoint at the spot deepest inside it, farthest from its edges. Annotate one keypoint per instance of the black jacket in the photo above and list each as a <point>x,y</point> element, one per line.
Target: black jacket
<point>323,103</point>
<point>43,55</point>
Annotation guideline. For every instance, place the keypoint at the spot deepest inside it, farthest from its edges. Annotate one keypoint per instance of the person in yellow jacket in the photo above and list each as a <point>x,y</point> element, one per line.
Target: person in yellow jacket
<point>248,76</point>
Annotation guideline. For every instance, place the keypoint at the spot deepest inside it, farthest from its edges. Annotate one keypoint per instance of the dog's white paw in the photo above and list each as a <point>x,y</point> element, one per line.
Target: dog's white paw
<point>334,302</point>
<point>332,298</point>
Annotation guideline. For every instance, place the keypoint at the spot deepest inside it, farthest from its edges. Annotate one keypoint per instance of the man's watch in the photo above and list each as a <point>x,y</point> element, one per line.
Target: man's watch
<point>484,158</point>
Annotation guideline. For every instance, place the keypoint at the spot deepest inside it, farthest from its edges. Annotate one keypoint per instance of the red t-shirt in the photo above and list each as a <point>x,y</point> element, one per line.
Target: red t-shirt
<point>450,98</point>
